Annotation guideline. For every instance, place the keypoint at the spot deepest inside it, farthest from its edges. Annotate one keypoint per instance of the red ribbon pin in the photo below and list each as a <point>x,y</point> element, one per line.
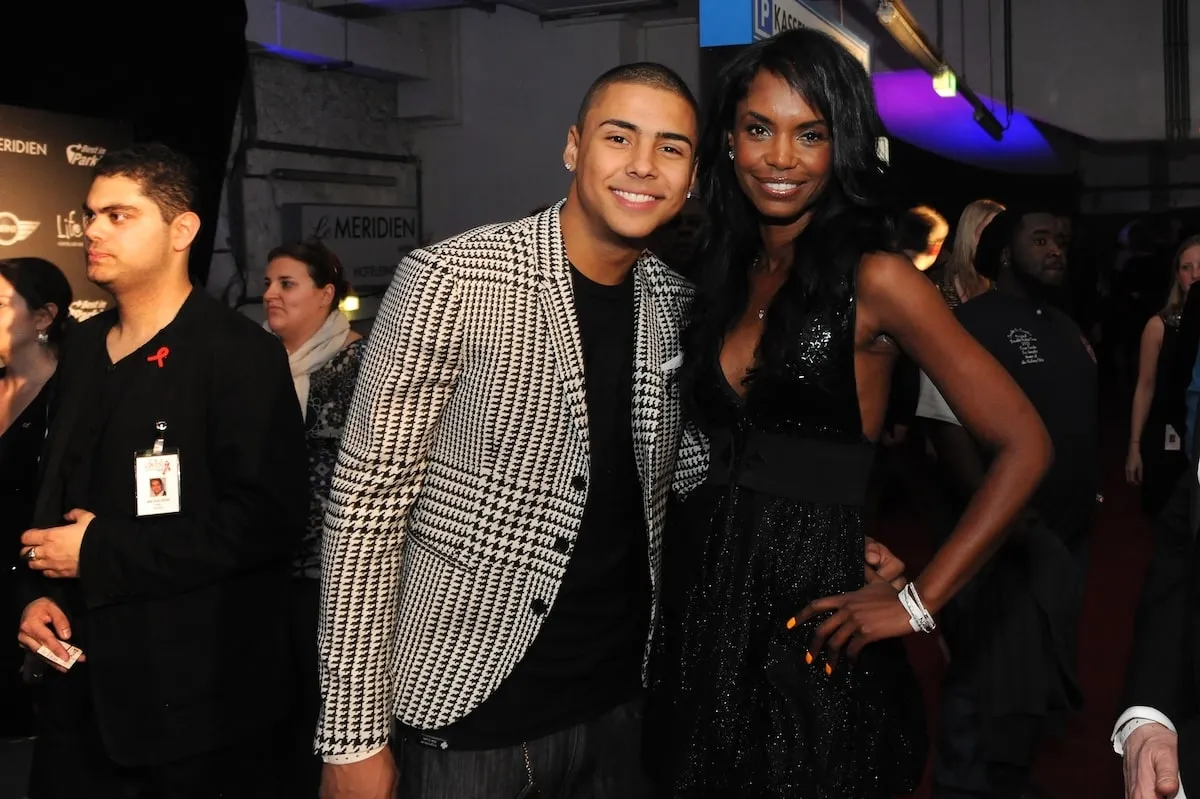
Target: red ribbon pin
<point>159,357</point>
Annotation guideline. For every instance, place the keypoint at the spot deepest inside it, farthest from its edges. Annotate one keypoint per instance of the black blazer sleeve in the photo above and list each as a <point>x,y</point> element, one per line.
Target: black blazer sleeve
<point>31,585</point>
<point>256,516</point>
<point>1158,674</point>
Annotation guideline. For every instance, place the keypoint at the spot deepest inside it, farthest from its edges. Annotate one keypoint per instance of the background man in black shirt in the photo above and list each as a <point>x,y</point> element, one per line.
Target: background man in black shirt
<point>175,599</point>
<point>1012,632</point>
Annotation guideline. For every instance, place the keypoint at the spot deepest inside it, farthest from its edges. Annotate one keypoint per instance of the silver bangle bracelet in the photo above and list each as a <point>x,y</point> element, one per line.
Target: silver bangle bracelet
<point>919,617</point>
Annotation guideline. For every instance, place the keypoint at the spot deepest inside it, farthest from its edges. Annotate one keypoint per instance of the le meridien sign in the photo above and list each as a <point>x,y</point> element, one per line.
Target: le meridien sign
<point>370,240</point>
<point>733,22</point>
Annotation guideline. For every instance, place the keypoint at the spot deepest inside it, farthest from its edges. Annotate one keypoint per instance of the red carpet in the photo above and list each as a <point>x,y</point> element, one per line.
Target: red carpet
<point>1080,765</point>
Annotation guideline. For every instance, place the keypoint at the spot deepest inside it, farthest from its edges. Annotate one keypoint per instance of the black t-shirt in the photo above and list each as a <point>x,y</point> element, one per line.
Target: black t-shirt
<point>1050,359</point>
<point>587,658</point>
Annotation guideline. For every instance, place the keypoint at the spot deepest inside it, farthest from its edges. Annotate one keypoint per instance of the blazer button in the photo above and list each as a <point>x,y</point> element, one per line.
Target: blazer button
<point>538,606</point>
<point>561,545</point>
<point>578,482</point>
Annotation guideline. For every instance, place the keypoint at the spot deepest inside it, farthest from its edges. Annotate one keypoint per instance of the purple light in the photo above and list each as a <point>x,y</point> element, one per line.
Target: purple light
<point>298,55</point>
<point>913,112</point>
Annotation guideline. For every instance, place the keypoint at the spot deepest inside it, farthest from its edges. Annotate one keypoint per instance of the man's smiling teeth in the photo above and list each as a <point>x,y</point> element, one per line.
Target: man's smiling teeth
<point>634,198</point>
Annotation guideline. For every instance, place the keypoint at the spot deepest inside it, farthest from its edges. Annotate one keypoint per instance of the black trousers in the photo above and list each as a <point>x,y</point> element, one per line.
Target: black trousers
<point>600,759</point>
<point>16,702</point>
<point>78,770</point>
<point>299,767</point>
<point>70,762</point>
<point>963,768</point>
<point>1161,470</point>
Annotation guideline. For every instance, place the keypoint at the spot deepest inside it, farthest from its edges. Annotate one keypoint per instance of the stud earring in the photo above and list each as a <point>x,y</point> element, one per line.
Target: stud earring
<point>43,338</point>
<point>730,153</point>
<point>567,167</point>
<point>689,195</point>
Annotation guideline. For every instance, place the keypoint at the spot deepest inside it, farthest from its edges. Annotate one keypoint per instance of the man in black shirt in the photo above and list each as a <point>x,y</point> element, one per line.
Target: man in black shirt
<point>495,522</point>
<point>162,610</point>
<point>1012,631</point>
<point>587,657</point>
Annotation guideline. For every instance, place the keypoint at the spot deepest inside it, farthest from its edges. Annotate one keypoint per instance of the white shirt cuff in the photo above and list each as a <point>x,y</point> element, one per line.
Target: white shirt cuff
<point>1133,718</point>
<point>352,757</point>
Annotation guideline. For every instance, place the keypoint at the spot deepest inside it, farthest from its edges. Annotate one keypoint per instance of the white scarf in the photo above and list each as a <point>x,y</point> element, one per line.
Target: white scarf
<point>315,353</point>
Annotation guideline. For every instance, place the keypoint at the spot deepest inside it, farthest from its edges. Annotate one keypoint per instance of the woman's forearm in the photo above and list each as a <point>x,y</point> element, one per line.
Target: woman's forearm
<point>1011,481</point>
<point>1143,396</point>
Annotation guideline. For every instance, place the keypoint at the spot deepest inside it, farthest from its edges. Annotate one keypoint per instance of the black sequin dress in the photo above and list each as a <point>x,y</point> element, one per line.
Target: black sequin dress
<point>736,711</point>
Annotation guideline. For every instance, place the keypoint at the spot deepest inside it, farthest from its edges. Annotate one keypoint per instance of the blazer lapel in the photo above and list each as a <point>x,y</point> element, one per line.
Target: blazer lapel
<point>649,380</point>
<point>556,304</point>
<point>71,396</point>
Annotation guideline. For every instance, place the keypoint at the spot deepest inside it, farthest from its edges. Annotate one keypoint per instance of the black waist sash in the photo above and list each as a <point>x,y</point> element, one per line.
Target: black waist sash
<point>783,465</point>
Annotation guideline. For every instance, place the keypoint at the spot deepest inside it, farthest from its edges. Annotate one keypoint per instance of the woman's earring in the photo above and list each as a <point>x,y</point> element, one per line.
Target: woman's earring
<point>43,338</point>
<point>730,153</point>
<point>567,167</point>
<point>689,195</point>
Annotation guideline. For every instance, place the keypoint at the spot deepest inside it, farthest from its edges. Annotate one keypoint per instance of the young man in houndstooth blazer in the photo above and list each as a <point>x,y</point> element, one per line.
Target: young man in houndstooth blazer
<point>493,536</point>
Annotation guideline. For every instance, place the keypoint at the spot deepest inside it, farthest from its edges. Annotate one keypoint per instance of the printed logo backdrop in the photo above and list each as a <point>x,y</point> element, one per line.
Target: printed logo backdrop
<point>45,172</point>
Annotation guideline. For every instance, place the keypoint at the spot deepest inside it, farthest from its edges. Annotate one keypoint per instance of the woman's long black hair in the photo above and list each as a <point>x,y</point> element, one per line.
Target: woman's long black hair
<point>852,215</point>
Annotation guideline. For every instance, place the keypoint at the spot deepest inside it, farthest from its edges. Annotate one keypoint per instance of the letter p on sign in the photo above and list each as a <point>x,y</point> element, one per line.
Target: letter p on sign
<point>764,18</point>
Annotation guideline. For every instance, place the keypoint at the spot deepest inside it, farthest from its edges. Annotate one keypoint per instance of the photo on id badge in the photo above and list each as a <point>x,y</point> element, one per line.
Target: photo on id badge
<point>157,480</point>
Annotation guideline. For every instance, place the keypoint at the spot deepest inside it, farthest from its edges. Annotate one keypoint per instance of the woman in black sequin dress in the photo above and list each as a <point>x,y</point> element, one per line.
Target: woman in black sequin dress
<point>777,672</point>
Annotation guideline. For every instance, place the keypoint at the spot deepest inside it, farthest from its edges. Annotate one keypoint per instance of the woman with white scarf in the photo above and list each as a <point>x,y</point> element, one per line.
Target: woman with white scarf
<point>303,288</point>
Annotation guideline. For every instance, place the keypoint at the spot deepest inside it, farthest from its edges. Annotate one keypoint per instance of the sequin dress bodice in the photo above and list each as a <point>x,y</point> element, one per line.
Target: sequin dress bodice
<point>814,395</point>
<point>777,524</point>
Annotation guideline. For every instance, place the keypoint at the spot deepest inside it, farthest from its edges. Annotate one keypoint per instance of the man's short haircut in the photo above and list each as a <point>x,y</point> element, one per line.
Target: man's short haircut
<point>644,73</point>
<point>1001,233</point>
<point>167,177</point>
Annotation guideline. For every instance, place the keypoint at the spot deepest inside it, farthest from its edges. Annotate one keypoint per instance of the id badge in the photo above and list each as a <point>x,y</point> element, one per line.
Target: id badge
<point>156,476</point>
<point>1172,442</point>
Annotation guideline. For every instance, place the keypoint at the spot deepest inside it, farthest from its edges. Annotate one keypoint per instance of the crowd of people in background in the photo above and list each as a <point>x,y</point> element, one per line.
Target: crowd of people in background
<point>595,508</point>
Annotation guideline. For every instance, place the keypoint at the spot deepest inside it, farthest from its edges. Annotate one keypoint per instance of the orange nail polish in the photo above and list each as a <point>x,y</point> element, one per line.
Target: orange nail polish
<point>828,670</point>
<point>791,622</point>
<point>808,658</point>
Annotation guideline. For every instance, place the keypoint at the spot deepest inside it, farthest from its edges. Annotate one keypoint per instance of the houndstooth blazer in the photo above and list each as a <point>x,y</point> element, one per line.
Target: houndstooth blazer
<point>463,461</point>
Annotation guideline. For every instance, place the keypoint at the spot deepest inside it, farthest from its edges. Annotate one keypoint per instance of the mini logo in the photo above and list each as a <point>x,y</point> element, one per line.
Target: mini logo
<point>84,154</point>
<point>22,147</point>
<point>14,230</point>
<point>69,230</point>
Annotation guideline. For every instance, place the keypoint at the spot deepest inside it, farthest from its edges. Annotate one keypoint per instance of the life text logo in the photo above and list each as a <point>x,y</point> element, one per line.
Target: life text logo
<point>69,230</point>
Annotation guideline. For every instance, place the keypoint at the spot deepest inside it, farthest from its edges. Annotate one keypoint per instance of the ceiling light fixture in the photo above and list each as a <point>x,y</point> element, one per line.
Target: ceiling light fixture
<point>902,25</point>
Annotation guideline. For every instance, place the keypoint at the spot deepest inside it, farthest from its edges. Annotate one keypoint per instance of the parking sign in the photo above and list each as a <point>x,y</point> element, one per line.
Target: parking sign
<point>764,19</point>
